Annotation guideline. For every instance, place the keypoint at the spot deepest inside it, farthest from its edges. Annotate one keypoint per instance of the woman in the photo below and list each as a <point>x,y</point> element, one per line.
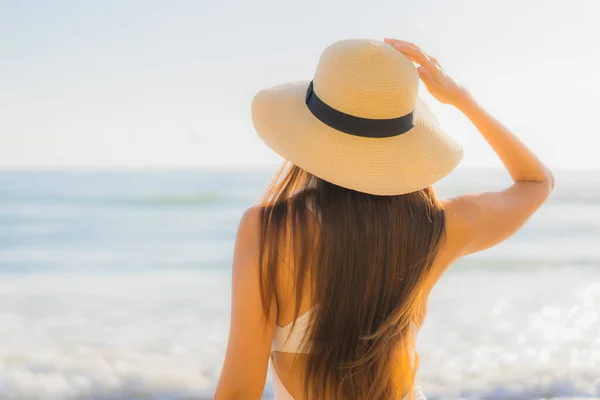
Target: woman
<point>331,274</point>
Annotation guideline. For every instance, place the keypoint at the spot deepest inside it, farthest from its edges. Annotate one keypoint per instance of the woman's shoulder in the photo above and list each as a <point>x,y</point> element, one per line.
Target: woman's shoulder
<point>248,228</point>
<point>250,218</point>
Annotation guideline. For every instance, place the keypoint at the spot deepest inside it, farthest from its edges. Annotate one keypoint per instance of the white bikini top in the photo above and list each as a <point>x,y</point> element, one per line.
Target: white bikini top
<point>287,340</point>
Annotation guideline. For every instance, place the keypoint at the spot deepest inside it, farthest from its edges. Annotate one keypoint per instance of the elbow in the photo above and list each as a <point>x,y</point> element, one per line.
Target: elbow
<point>550,180</point>
<point>544,183</point>
<point>543,177</point>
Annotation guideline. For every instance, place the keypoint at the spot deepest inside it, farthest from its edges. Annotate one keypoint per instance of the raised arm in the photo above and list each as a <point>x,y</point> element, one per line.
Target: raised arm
<point>478,221</point>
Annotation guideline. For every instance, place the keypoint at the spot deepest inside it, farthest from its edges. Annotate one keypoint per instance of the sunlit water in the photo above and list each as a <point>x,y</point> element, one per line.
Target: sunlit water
<point>116,286</point>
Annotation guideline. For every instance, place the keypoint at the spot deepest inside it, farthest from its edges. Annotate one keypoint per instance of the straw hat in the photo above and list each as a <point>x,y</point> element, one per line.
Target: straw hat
<point>359,123</point>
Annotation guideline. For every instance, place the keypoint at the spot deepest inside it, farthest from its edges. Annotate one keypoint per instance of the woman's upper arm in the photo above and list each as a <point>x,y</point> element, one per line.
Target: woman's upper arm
<point>476,222</point>
<point>248,350</point>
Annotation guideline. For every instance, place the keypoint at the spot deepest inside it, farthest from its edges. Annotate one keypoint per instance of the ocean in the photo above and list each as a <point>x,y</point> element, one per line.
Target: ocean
<point>116,285</point>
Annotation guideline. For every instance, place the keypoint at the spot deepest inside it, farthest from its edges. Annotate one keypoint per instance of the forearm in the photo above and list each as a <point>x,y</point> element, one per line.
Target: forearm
<point>520,162</point>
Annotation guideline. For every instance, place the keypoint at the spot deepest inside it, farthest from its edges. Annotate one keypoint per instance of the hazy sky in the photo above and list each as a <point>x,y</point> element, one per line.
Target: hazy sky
<point>154,84</point>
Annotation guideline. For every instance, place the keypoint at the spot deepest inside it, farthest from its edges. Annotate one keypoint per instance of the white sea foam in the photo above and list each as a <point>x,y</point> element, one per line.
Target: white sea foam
<point>530,333</point>
<point>113,336</point>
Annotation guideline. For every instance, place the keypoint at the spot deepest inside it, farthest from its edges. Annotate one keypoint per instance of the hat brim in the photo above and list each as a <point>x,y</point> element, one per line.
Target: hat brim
<point>381,166</point>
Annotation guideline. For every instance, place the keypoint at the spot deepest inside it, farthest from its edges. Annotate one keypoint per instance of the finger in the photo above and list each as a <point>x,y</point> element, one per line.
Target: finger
<point>430,83</point>
<point>403,42</point>
<point>420,57</point>
<point>415,54</point>
<point>425,76</point>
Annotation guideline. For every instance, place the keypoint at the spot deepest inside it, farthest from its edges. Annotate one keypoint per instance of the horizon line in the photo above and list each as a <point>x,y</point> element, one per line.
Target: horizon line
<point>223,168</point>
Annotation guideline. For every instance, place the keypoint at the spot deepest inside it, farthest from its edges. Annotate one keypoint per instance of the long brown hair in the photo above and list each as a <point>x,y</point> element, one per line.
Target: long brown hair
<point>365,267</point>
